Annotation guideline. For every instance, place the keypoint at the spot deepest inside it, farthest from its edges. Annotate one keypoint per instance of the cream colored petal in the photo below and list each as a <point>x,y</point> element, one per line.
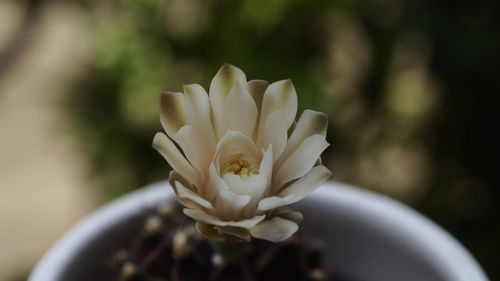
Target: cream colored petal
<point>198,113</point>
<point>279,96</point>
<point>230,204</point>
<point>310,123</point>
<point>256,88</point>
<point>305,185</point>
<point>172,113</point>
<point>209,231</point>
<point>237,232</point>
<point>266,164</point>
<point>201,216</point>
<point>247,223</point>
<point>261,186</point>
<point>274,132</point>
<point>240,111</point>
<point>216,180</point>
<point>296,217</point>
<point>215,184</point>
<point>253,186</point>
<point>300,161</point>
<point>186,202</point>
<point>225,79</point>
<point>174,157</point>
<point>184,192</point>
<point>192,144</point>
<point>274,202</point>
<point>174,176</point>
<point>298,190</point>
<point>234,143</point>
<point>274,230</point>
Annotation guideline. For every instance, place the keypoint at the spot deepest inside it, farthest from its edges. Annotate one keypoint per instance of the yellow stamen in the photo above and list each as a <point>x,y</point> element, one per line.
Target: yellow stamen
<point>241,166</point>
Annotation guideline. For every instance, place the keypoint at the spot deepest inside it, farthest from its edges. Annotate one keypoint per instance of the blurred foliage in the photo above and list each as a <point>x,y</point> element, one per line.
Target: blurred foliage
<point>412,89</point>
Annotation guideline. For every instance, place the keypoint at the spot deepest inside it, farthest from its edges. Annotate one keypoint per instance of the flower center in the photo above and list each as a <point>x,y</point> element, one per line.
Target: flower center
<point>241,166</point>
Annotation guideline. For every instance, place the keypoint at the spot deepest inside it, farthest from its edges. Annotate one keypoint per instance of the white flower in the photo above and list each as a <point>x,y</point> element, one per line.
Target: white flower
<point>240,161</point>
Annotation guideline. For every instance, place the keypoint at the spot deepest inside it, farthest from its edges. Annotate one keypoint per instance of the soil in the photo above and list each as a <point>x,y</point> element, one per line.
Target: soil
<point>170,249</point>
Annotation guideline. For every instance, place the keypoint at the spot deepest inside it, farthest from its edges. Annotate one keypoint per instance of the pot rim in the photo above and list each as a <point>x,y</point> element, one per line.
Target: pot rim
<point>443,249</point>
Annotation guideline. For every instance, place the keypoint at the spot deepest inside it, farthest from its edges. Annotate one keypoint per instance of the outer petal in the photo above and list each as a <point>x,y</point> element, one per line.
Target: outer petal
<point>198,114</point>
<point>230,204</point>
<point>215,180</point>
<point>240,111</point>
<point>296,217</point>
<point>209,231</point>
<point>310,123</point>
<point>274,132</point>
<point>256,88</point>
<point>213,186</point>
<point>225,79</point>
<point>298,190</point>
<point>278,96</point>
<point>196,151</point>
<point>203,217</point>
<point>274,230</point>
<point>237,232</point>
<point>266,164</point>
<point>174,157</point>
<point>273,202</point>
<point>184,193</point>
<point>172,114</point>
<point>301,161</point>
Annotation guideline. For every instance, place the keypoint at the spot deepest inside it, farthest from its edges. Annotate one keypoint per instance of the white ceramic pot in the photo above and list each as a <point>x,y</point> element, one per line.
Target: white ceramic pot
<point>370,238</point>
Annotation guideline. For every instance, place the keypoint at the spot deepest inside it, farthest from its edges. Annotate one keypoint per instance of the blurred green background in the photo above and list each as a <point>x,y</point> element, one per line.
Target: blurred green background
<point>412,89</point>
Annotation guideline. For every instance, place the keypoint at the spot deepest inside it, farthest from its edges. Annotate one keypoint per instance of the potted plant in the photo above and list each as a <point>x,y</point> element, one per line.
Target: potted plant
<point>243,162</point>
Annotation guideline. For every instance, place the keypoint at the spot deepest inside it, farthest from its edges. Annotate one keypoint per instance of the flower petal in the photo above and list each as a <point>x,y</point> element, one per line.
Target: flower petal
<point>261,185</point>
<point>209,231</point>
<point>197,105</point>
<point>184,192</point>
<point>266,164</point>
<point>256,88</point>
<point>234,143</point>
<point>202,216</point>
<point>273,202</point>
<point>310,123</point>
<point>216,180</point>
<point>274,132</point>
<point>174,157</point>
<point>253,185</point>
<point>274,230</point>
<point>296,217</point>
<point>172,114</point>
<point>300,161</point>
<point>225,79</point>
<point>248,223</point>
<point>192,144</point>
<point>237,232</point>
<point>279,96</point>
<point>240,111</point>
<point>305,185</point>
<point>298,190</point>
<point>230,204</point>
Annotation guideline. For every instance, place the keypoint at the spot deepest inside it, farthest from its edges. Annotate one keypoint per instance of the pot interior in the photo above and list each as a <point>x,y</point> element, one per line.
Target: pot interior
<point>361,244</point>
